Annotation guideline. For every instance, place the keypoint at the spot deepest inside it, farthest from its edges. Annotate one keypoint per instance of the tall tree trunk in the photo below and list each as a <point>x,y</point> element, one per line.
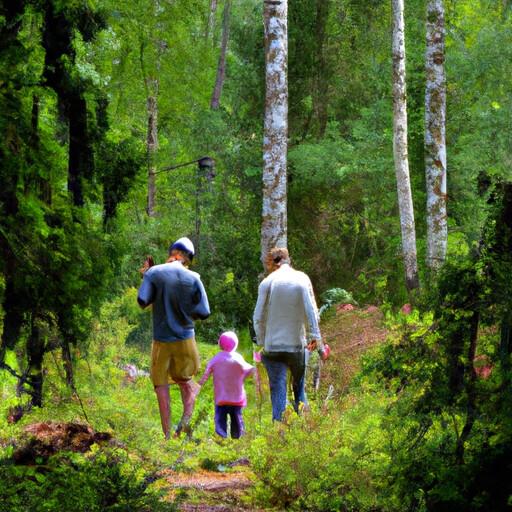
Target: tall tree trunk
<point>321,78</point>
<point>152,146</point>
<point>501,252</point>
<point>275,143</point>
<point>13,304</point>
<point>34,122</point>
<point>400,148</point>
<point>43,183</point>
<point>221,67</point>
<point>152,85</point>
<point>35,355</point>
<point>68,363</point>
<point>435,141</point>
<point>80,152</point>
<point>57,40</point>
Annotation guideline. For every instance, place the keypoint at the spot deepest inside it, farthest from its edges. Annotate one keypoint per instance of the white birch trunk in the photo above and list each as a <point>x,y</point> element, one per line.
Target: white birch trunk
<point>400,148</point>
<point>435,140</point>
<point>275,140</point>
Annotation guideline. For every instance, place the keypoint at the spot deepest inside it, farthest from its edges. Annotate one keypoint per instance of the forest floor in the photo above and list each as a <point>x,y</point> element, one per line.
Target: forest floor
<point>349,332</point>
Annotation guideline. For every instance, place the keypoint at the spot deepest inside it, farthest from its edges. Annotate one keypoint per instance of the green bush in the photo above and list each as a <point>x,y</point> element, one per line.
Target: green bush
<point>328,460</point>
<point>335,296</point>
<point>103,481</point>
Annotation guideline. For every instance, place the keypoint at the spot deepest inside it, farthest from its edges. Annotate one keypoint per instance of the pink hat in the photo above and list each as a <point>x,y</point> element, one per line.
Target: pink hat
<point>228,341</point>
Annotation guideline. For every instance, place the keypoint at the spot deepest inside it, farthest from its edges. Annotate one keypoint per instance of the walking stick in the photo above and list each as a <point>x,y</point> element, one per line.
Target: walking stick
<point>256,356</point>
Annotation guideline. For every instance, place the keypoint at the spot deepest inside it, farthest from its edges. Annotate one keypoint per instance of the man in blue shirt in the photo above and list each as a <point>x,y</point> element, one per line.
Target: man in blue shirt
<point>178,298</point>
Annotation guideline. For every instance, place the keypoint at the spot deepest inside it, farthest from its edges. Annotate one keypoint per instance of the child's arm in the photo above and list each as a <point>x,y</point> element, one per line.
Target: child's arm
<point>206,374</point>
<point>204,378</point>
<point>248,369</point>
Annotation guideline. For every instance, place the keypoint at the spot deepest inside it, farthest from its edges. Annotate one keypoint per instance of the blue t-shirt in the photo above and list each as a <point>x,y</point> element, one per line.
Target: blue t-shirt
<point>178,297</point>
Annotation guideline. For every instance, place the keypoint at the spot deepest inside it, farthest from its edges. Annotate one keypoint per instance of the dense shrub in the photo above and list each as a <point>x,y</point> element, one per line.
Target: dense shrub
<point>105,480</point>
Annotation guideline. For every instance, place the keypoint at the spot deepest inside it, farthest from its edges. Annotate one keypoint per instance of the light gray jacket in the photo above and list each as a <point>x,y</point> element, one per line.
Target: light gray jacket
<point>286,316</point>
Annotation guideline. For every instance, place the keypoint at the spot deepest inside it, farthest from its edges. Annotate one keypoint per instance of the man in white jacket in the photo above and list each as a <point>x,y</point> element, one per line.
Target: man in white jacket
<point>286,322</point>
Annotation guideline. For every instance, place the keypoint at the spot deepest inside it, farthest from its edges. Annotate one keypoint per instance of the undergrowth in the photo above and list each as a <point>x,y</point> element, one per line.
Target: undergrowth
<point>109,401</point>
<point>380,445</point>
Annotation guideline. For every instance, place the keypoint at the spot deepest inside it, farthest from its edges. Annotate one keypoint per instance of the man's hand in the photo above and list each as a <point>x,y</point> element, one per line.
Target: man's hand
<point>148,263</point>
<point>312,345</point>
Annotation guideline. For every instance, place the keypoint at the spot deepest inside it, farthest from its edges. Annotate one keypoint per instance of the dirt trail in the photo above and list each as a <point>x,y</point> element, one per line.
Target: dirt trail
<point>349,332</point>
<point>210,491</point>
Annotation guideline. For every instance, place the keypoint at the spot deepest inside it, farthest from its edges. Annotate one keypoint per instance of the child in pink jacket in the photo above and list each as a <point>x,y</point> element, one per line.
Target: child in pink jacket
<point>229,370</point>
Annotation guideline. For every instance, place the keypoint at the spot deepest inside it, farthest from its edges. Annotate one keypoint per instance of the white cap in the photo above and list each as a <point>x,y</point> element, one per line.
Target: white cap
<point>184,244</point>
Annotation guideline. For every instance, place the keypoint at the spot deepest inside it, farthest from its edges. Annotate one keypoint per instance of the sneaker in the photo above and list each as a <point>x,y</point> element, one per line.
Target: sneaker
<point>183,428</point>
<point>189,394</point>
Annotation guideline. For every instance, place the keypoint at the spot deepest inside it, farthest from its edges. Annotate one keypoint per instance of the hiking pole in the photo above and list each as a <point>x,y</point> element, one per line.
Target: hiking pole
<point>256,356</point>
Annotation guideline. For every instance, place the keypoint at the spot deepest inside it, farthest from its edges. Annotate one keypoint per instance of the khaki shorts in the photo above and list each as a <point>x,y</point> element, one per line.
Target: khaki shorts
<point>173,361</point>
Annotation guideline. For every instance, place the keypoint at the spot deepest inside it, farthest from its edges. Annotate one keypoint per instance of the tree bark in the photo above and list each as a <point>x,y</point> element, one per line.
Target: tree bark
<point>68,364</point>
<point>57,40</point>
<point>400,148</point>
<point>152,85</point>
<point>35,355</point>
<point>152,146</point>
<point>435,140</point>
<point>80,153</point>
<point>42,182</point>
<point>221,68</point>
<point>34,122</point>
<point>275,140</point>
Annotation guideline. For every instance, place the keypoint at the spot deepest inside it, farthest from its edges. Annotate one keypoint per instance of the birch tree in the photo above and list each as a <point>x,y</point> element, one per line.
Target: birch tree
<point>275,143</point>
<point>400,148</point>
<point>151,76</point>
<point>435,141</point>
<point>152,142</point>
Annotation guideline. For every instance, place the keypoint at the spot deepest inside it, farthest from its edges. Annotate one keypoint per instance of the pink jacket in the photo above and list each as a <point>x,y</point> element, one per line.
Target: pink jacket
<point>229,370</point>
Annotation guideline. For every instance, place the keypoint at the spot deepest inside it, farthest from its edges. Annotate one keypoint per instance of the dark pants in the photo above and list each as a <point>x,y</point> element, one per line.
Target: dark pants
<point>277,365</point>
<point>236,421</point>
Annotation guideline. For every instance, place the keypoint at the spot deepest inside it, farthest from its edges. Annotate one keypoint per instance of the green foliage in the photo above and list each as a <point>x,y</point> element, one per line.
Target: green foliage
<point>333,459</point>
<point>104,480</point>
<point>53,254</point>
<point>335,296</point>
<point>427,423</point>
<point>118,165</point>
